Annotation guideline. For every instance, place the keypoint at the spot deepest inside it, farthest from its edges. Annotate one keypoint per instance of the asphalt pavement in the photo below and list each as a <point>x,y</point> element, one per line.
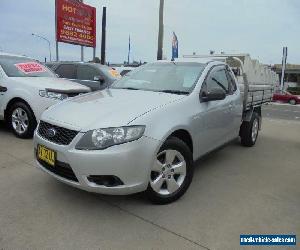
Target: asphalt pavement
<point>282,111</point>
<point>235,190</point>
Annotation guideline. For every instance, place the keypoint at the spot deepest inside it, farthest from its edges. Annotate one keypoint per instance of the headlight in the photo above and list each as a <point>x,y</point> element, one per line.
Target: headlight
<point>107,137</point>
<point>53,95</point>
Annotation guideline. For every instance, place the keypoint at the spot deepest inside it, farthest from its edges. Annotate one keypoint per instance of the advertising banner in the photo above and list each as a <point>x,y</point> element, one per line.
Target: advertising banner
<point>75,23</point>
<point>30,67</point>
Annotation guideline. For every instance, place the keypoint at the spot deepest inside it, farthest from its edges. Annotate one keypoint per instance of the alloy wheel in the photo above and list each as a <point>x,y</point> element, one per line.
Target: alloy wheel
<point>168,172</point>
<point>254,130</point>
<point>19,120</point>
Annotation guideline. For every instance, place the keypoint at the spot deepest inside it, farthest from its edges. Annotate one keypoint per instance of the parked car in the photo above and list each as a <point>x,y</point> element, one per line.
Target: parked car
<point>27,88</point>
<point>287,97</point>
<point>93,75</point>
<point>145,131</point>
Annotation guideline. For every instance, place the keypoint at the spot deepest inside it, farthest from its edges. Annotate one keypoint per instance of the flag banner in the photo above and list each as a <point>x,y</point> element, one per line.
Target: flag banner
<point>174,46</point>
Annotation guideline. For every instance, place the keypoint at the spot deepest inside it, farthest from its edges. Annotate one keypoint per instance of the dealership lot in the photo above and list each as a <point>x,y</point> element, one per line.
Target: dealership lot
<point>235,191</point>
<point>282,111</point>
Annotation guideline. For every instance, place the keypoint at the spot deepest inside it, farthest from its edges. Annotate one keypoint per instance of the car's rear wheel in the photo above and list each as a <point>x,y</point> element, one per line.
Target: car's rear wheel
<point>22,120</point>
<point>171,173</point>
<point>249,131</point>
<point>292,102</point>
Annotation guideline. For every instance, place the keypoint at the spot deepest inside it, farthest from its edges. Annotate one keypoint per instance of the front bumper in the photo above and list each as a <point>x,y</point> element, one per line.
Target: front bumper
<point>130,162</point>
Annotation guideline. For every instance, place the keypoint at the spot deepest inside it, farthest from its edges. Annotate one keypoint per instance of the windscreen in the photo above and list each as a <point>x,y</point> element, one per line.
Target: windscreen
<point>24,67</point>
<point>165,77</point>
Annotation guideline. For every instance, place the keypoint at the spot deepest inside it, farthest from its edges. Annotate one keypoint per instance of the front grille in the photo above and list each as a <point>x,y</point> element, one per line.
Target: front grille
<point>62,136</point>
<point>61,169</point>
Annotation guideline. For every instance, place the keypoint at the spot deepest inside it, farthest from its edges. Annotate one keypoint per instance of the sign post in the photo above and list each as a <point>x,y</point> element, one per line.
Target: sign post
<point>56,42</point>
<point>82,48</point>
<point>103,39</point>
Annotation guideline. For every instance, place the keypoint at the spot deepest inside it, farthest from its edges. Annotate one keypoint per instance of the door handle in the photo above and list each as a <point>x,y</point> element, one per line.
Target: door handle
<point>3,89</point>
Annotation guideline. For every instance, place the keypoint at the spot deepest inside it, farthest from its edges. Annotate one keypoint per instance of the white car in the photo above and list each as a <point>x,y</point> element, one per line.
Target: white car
<point>27,88</point>
<point>145,131</point>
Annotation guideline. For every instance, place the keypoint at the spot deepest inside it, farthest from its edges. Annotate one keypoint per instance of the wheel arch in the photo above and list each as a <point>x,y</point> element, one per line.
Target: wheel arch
<point>248,115</point>
<point>12,102</point>
<point>185,136</point>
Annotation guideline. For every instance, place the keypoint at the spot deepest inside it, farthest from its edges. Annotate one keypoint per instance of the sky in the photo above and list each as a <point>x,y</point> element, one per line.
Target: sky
<point>258,27</point>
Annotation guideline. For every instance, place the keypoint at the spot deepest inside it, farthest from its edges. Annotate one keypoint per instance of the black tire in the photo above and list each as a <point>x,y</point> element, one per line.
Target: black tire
<point>173,143</point>
<point>246,131</point>
<point>292,102</point>
<point>32,123</point>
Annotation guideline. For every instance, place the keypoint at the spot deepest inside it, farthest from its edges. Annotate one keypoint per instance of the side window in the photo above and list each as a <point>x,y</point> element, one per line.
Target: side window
<point>217,79</point>
<point>66,71</point>
<point>233,86</point>
<point>85,72</point>
<point>49,65</point>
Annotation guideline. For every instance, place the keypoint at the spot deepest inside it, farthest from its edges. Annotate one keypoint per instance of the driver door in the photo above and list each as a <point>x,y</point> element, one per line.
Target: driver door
<point>214,115</point>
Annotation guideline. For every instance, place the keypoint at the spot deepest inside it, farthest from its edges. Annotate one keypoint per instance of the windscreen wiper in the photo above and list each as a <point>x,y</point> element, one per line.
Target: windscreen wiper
<point>177,92</point>
<point>220,84</point>
<point>130,88</point>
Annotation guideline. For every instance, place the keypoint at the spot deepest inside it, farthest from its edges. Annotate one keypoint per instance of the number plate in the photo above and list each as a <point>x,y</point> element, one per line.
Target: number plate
<point>47,155</point>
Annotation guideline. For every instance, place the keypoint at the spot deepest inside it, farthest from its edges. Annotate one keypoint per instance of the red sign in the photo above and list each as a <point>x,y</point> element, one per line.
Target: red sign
<point>76,23</point>
<point>30,67</point>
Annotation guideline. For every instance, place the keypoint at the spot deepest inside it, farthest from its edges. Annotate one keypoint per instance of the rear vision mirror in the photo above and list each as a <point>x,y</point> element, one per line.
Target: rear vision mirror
<point>213,95</point>
<point>99,79</point>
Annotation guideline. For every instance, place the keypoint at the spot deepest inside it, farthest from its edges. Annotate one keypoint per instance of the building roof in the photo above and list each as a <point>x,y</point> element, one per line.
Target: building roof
<point>290,68</point>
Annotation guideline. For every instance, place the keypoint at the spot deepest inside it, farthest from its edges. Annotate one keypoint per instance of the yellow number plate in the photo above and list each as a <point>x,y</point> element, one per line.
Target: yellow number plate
<point>47,155</point>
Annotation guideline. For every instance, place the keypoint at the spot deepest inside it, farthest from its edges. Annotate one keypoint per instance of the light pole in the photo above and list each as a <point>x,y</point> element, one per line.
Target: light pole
<point>46,41</point>
<point>103,38</point>
<point>160,31</point>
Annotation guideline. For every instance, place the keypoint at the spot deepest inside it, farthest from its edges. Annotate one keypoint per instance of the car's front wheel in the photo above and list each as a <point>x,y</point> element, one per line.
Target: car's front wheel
<point>22,120</point>
<point>171,173</point>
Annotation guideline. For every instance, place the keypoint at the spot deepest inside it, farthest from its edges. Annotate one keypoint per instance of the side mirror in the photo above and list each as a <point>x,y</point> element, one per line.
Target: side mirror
<point>99,79</point>
<point>213,95</point>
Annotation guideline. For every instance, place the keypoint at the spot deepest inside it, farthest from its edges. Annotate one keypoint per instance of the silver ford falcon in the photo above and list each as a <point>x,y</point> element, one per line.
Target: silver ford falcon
<point>145,131</point>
